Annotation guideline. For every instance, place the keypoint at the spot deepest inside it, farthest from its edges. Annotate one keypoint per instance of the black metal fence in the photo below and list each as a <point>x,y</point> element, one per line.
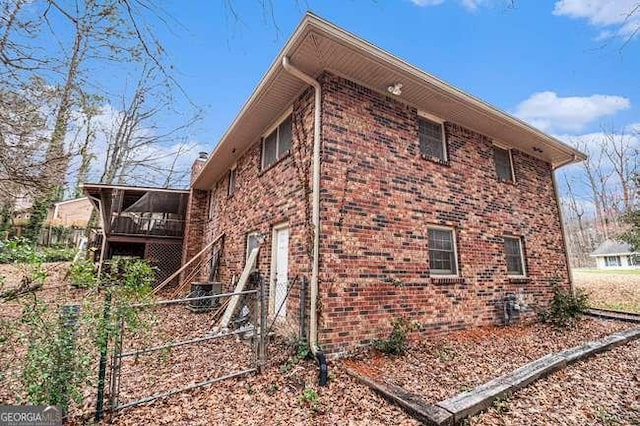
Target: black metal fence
<point>185,346</point>
<point>184,349</point>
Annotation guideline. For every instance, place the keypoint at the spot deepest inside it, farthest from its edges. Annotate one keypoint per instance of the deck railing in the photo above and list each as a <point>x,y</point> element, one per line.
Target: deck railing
<point>127,225</point>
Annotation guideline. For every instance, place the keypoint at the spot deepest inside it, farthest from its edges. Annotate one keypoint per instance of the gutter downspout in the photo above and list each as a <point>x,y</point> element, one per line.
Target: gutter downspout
<point>564,235</point>
<point>315,190</point>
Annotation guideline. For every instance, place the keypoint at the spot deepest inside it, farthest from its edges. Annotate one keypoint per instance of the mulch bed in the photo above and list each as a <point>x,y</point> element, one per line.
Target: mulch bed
<point>603,390</point>
<point>439,368</point>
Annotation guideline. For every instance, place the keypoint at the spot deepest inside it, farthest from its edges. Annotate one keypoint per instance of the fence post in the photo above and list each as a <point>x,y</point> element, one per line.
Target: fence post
<point>69,321</point>
<point>102,366</point>
<point>263,322</point>
<point>116,363</point>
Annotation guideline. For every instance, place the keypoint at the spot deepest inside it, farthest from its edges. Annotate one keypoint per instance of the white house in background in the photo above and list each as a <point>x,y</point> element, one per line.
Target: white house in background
<point>612,254</point>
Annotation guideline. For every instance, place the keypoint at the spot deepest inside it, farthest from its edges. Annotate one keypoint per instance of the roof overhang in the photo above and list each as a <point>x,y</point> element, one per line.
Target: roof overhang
<point>95,188</point>
<point>317,45</point>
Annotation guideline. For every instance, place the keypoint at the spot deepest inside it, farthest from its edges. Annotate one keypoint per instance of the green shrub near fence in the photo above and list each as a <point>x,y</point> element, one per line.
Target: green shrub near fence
<point>21,250</point>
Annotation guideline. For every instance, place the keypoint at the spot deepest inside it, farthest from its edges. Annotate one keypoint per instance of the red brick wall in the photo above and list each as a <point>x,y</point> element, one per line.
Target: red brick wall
<point>195,217</point>
<point>378,198</point>
<point>263,199</point>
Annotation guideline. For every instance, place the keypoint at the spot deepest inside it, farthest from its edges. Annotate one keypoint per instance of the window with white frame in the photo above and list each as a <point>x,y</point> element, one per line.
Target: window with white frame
<point>443,259</point>
<point>277,143</point>
<point>612,261</point>
<point>231,182</point>
<point>504,164</point>
<point>514,256</point>
<point>432,140</point>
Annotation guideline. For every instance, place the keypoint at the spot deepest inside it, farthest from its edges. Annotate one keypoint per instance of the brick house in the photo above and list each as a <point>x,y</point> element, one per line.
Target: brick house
<point>411,198</point>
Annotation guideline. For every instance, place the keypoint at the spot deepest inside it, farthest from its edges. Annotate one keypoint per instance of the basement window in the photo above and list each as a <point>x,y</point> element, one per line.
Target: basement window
<point>442,252</point>
<point>504,164</point>
<point>432,140</point>
<point>514,256</point>
<point>277,143</point>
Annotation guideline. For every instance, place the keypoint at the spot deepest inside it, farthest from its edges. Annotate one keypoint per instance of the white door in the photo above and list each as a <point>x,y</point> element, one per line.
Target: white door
<point>281,276</point>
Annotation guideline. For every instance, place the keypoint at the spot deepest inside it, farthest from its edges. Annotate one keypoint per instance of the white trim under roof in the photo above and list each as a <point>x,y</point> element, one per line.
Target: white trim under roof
<point>317,46</point>
<point>131,188</point>
<point>74,200</point>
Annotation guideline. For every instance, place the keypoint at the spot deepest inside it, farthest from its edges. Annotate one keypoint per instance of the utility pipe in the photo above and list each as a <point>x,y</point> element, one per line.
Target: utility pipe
<point>315,190</point>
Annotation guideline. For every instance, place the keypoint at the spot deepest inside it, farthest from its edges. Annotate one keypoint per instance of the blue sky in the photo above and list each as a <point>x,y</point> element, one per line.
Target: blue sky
<point>566,66</point>
<point>501,54</point>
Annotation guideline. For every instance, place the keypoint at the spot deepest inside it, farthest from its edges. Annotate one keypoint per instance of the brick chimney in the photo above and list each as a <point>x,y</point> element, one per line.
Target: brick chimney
<point>198,165</point>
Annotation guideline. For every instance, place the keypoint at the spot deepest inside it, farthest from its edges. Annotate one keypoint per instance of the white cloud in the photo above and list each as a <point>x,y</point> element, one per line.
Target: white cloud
<point>616,17</point>
<point>470,5</point>
<point>157,158</point>
<point>473,4</point>
<point>423,3</point>
<point>549,112</point>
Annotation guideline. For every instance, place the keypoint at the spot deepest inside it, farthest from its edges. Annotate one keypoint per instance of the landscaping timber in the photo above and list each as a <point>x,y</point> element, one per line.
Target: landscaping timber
<point>453,410</point>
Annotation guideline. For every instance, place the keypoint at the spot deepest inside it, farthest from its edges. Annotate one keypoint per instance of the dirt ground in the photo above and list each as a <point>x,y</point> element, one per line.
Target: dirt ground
<point>616,291</point>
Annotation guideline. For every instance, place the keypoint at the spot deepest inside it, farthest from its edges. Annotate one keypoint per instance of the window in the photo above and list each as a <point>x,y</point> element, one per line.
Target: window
<point>252,242</point>
<point>514,255</point>
<point>442,252</point>
<point>504,168</point>
<point>432,141</point>
<point>612,261</point>
<point>277,144</point>
<point>231,188</point>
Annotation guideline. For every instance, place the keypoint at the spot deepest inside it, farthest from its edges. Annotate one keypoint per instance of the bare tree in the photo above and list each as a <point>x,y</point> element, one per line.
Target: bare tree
<point>622,156</point>
<point>132,154</point>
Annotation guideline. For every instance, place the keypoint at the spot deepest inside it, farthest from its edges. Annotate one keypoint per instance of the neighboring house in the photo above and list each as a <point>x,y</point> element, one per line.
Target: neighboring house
<point>612,254</point>
<point>70,213</point>
<point>395,193</point>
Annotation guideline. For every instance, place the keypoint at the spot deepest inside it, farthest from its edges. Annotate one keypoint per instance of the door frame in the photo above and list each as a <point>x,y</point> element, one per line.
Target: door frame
<point>274,254</point>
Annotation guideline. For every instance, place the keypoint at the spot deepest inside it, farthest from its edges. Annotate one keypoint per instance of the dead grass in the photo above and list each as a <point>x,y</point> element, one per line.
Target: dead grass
<point>616,291</point>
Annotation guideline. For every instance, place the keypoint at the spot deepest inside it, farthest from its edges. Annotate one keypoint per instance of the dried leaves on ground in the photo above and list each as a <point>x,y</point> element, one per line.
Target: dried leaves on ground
<point>603,390</point>
<point>441,367</point>
<point>617,291</point>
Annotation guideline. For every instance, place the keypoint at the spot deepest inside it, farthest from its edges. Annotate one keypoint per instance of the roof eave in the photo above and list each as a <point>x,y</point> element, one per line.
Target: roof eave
<point>312,22</point>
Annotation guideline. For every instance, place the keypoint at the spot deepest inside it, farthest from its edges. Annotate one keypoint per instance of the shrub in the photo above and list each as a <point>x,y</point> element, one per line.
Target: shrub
<point>61,353</point>
<point>302,351</point>
<point>82,273</point>
<point>397,341</point>
<point>19,250</point>
<point>309,397</point>
<point>58,254</point>
<point>55,370</point>
<point>565,308</point>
